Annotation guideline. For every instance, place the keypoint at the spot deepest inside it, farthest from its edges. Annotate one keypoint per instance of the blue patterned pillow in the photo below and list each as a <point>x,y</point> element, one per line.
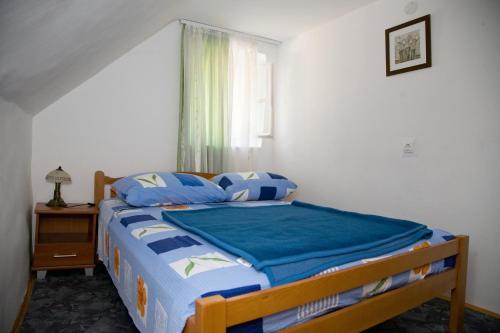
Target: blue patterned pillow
<point>167,188</point>
<point>245,186</point>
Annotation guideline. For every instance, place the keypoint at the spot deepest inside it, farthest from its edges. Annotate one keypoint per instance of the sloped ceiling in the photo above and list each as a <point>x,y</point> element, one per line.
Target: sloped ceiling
<point>49,47</point>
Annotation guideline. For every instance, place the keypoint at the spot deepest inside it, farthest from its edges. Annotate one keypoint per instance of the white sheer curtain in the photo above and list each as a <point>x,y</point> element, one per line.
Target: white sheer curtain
<point>242,104</point>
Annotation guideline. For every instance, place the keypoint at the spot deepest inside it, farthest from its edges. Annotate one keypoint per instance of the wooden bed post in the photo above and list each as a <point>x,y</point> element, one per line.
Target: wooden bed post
<point>457,304</point>
<point>210,315</point>
<point>98,187</point>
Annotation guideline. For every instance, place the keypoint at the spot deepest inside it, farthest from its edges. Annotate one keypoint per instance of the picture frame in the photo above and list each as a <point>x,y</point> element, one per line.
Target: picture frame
<point>408,46</point>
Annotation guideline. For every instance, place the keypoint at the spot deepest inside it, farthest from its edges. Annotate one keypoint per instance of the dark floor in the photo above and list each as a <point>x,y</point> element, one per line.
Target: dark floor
<point>70,302</point>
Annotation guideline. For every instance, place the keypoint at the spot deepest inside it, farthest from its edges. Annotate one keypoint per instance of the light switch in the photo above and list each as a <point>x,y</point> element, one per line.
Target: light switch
<point>409,147</point>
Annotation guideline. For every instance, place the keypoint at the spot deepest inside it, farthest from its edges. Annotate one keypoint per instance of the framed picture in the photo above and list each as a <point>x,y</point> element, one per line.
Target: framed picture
<point>408,46</point>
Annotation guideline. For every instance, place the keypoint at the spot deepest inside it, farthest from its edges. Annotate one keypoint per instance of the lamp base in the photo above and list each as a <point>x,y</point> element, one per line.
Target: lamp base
<point>56,203</point>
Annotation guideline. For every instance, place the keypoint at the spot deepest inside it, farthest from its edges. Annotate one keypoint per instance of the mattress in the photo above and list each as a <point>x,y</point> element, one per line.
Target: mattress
<point>160,269</point>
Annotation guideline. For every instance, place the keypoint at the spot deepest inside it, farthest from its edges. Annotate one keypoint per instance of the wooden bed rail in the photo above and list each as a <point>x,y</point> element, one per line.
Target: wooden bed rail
<point>214,314</point>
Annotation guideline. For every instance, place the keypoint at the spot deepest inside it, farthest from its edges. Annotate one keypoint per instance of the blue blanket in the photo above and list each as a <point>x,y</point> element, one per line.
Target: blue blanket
<point>291,242</point>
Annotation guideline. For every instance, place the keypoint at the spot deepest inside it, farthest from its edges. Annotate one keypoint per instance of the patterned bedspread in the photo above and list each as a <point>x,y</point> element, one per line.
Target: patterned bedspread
<point>160,270</point>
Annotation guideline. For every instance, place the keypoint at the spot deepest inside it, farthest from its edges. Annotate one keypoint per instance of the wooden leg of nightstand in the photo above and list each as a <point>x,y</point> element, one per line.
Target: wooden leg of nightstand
<point>40,275</point>
<point>89,272</point>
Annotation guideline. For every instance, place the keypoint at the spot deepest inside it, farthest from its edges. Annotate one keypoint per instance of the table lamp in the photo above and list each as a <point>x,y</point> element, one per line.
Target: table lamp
<point>57,176</point>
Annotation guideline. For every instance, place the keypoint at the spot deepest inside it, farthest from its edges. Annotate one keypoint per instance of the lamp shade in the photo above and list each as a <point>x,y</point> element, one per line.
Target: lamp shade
<point>58,176</point>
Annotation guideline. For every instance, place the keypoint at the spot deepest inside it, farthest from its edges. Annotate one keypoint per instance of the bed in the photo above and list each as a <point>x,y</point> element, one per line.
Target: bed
<point>302,306</point>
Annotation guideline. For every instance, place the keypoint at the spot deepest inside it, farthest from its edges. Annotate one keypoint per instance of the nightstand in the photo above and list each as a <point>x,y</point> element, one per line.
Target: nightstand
<point>64,238</point>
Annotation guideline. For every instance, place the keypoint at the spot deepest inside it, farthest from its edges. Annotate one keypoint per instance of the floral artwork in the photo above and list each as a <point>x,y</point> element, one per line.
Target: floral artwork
<point>190,266</point>
<point>142,298</point>
<point>150,230</point>
<point>408,46</point>
<point>150,180</point>
<point>116,262</point>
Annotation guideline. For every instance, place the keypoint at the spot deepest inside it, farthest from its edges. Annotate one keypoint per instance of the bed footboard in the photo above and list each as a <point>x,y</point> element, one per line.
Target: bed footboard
<point>214,314</point>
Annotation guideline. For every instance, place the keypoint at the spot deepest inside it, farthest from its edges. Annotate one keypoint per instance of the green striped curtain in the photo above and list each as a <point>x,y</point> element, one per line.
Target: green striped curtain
<point>204,100</point>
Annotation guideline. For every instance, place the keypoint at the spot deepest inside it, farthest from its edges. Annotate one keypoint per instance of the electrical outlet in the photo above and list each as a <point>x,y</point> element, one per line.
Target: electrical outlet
<point>409,147</point>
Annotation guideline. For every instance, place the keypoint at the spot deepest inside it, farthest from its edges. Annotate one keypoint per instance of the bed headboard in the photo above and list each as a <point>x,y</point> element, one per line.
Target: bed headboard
<point>101,180</point>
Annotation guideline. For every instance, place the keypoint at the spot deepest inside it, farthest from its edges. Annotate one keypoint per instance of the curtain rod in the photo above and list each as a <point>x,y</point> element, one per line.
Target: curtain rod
<point>234,32</point>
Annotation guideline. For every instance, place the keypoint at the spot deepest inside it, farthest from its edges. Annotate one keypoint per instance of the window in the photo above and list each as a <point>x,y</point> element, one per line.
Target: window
<point>226,107</point>
<point>264,96</point>
<point>250,93</point>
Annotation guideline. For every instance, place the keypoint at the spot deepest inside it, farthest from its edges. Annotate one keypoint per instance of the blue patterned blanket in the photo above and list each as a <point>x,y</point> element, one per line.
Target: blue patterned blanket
<point>160,269</point>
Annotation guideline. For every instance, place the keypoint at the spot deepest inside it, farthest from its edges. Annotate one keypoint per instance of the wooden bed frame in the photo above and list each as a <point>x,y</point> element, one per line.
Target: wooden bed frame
<point>215,313</point>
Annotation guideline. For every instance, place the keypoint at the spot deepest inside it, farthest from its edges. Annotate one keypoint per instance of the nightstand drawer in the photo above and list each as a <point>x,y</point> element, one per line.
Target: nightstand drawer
<point>55,255</point>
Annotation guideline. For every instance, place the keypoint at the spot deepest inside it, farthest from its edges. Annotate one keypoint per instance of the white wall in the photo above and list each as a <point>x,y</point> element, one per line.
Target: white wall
<point>340,122</point>
<point>15,208</point>
<point>123,120</point>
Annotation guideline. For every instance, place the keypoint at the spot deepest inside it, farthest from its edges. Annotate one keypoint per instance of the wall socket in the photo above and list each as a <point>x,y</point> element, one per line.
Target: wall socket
<point>408,147</point>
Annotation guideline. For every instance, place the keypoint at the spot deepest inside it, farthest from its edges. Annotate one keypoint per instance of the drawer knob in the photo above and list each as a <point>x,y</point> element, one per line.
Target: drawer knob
<point>64,255</point>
